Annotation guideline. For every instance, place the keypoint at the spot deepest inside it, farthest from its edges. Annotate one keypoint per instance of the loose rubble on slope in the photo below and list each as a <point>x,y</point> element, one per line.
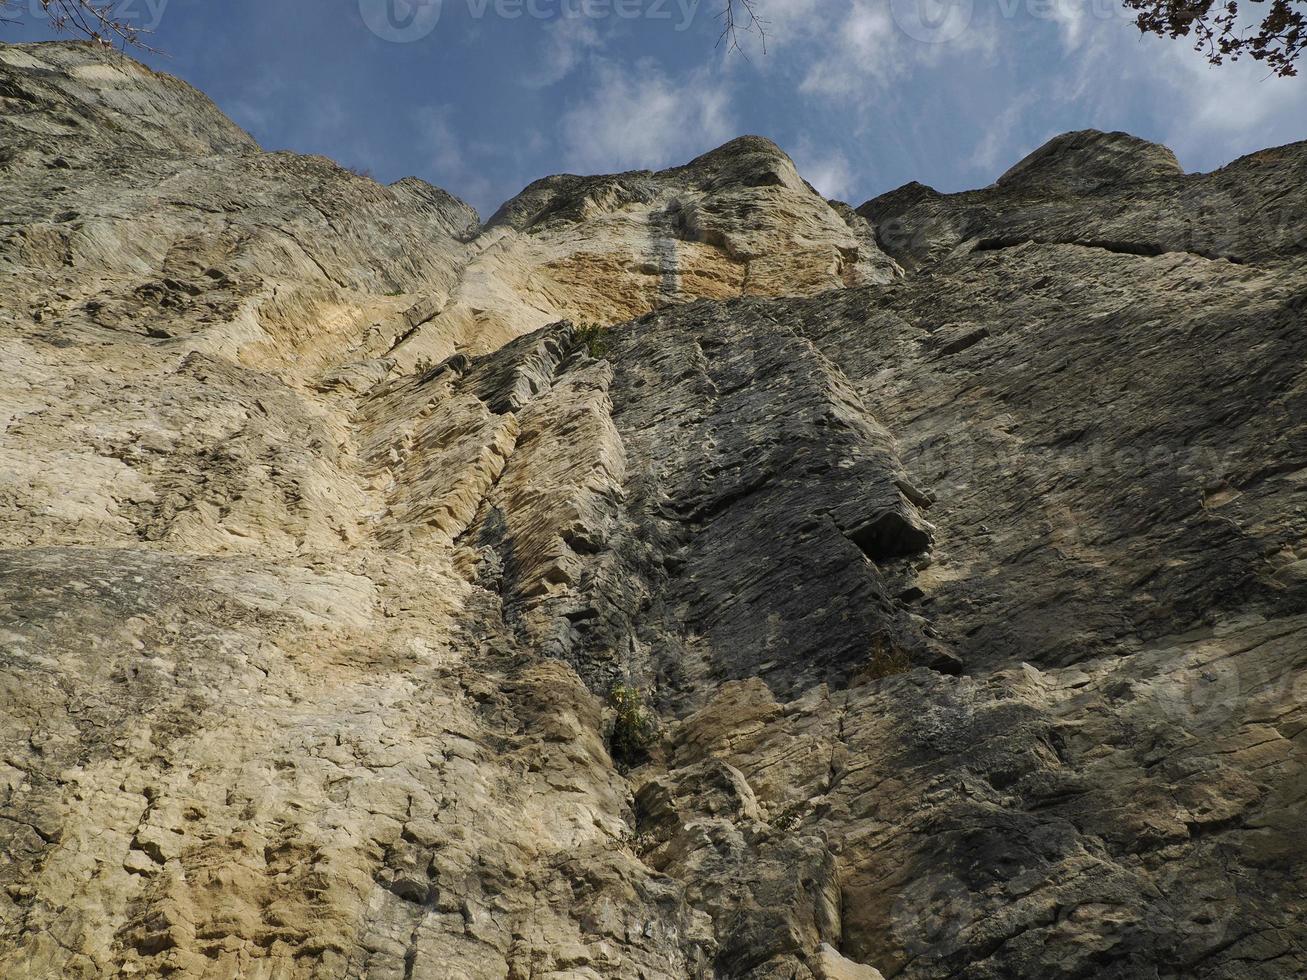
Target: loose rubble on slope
<point>958,546</point>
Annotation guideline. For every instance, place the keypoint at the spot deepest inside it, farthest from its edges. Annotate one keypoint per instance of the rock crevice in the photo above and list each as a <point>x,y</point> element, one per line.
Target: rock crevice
<point>332,519</point>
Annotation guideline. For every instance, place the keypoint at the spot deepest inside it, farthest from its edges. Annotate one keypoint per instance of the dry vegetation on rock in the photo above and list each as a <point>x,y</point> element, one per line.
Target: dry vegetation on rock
<point>323,546</point>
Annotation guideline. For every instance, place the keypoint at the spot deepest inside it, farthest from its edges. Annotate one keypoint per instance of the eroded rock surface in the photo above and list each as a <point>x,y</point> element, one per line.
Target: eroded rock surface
<point>1110,191</point>
<point>598,250</point>
<point>971,601</point>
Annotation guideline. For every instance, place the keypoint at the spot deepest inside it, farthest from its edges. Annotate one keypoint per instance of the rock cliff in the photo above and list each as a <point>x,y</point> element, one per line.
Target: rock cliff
<point>957,545</point>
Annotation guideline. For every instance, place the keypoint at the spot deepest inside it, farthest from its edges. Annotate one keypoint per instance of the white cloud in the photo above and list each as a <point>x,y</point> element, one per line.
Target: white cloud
<point>637,116</point>
<point>1114,78</point>
<point>994,153</point>
<point>1072,18</point>
<point>1236,97</point>
<point>448,163</point>
<point>436,136</point>
<point>827,170</point>
<point>567,42</point>
<point>863,45</point>
<point>1084,64</point>
<point>783,22</point>
<point>880,44</point>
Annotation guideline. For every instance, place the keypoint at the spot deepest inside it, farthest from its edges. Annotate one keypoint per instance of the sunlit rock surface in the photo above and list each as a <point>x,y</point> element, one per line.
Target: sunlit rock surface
<point>958,545</point>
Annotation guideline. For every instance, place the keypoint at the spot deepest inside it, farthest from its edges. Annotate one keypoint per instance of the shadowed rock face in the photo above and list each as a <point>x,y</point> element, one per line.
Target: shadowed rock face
<point>1108,191</point>
<point>1081,162</point>
<point>971,600</point>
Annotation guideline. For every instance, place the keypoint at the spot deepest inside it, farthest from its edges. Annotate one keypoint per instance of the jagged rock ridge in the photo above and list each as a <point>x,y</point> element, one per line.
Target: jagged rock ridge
<point>958,543</point>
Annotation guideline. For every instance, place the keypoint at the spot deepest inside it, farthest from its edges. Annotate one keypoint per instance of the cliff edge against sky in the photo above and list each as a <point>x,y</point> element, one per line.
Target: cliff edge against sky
<point>957,542</point>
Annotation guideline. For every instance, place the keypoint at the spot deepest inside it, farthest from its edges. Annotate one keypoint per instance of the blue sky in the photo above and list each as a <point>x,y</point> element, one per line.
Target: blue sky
<point>483,96</point>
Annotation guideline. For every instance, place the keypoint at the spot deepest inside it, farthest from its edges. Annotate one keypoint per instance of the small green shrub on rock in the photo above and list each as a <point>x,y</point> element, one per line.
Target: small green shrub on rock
<point>634,728</point>
<point>592,336</point>
<point>886,660</point>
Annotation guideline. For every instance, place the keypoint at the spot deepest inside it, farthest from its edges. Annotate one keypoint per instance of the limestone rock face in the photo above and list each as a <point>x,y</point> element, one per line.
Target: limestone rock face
<point>1081,162</point>
<point>738,221</point>
<point>968,603</point>
<point>1108,191</point>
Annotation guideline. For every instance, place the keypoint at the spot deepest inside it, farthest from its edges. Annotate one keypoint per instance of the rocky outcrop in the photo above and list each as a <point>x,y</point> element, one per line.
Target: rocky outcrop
<point>598,250</point>
<point>1109,191</point>
<point>1080,163</point>
<point>967,602</point>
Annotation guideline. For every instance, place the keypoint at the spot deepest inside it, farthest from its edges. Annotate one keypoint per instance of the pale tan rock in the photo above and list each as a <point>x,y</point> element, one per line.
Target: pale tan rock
<point>304,650</point>
<point>738,221</point>
<point>830,965</point>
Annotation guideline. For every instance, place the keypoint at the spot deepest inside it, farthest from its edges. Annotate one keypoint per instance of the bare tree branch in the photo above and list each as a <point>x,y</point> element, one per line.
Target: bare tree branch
<point>97,20</point>
<point>737,16</point>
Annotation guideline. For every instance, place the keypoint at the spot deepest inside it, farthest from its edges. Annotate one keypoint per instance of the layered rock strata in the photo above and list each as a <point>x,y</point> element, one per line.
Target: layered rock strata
<point>957,546</point>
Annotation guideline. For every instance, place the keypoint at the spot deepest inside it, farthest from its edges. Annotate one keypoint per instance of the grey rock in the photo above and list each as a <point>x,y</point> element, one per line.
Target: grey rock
<point>962,575</point>
<point>1084,161</point>
<point>1113,192</point>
